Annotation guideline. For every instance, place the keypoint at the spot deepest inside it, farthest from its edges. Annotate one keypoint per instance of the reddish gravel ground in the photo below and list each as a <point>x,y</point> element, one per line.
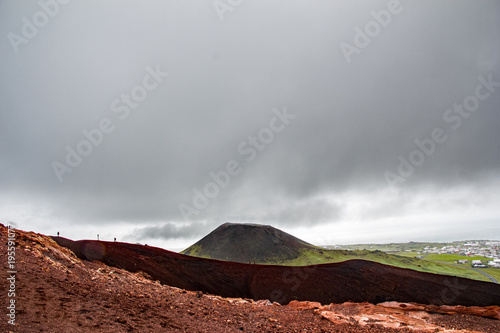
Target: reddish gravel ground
<point>58,292</point>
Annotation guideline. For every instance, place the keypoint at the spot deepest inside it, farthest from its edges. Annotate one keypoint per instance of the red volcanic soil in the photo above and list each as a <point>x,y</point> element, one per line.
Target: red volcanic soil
<point>353,280</point>
<point>58,292</point>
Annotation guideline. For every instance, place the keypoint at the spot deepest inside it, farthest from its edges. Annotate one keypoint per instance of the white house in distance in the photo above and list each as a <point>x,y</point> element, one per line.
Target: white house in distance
<point>478,264</point>
<point>494,263</point>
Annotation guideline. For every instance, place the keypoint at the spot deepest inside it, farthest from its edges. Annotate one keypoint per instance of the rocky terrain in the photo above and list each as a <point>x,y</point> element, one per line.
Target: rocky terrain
<point>56,291</point>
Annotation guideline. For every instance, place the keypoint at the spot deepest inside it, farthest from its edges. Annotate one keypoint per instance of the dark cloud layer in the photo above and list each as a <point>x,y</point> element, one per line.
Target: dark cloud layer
<point>352,121</point>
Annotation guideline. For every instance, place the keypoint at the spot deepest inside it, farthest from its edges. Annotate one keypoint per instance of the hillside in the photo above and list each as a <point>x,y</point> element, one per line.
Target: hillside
<point>322,256</point>
<point>352,280</point>
<point>248,243</point>
<point>58,291</point>
<point>264,244</point>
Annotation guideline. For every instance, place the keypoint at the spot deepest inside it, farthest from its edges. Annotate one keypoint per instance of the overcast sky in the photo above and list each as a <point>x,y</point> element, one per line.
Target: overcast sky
<point>337,121</point>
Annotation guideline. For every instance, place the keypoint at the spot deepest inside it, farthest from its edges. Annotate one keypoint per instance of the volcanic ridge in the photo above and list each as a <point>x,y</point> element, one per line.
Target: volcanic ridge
<point>351,280</point>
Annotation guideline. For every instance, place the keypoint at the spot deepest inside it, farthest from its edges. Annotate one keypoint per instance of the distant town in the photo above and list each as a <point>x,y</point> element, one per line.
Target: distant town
<point>462,252</point>
<point>487,249</point>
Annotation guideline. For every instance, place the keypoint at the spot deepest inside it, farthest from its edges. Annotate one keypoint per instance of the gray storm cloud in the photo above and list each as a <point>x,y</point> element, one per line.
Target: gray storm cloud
<point>354,120</point>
